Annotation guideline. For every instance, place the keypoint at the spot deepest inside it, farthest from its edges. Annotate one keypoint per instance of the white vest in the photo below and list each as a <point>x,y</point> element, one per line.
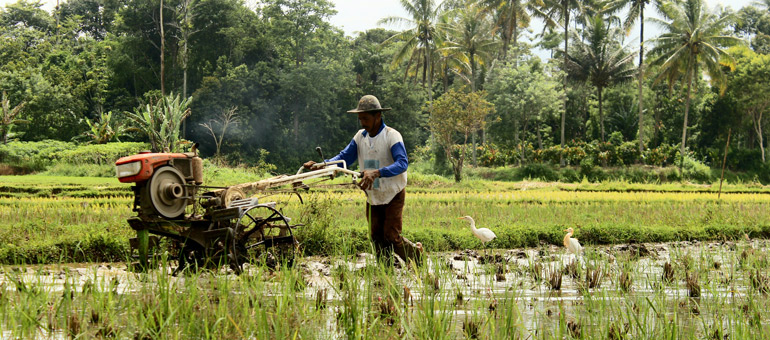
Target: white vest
<point>374,153</point>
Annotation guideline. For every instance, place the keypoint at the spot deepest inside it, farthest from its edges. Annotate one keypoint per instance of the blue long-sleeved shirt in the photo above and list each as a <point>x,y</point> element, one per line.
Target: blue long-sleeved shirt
<point>400,161</point>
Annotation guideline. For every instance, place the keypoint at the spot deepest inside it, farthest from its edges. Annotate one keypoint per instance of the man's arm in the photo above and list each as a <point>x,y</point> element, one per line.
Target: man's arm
<point>349,154</point>
<point>400,161</point>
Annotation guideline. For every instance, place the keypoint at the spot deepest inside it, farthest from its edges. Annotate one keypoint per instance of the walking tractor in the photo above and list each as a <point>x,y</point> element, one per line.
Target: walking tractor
<point>212,226</point>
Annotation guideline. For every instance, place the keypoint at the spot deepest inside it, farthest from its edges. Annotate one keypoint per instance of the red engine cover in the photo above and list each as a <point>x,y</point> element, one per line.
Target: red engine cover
<point>150,161</point>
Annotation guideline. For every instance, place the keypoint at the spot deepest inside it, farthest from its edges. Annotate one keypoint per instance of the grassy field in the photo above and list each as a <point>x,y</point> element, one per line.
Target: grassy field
<point>689,289</point>
<point>65,225</point>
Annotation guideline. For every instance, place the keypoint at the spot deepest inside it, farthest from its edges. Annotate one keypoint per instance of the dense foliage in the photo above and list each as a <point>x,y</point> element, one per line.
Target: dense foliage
<point>89,70</point>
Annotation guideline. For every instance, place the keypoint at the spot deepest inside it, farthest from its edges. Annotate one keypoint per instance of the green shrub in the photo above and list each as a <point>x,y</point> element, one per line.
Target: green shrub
<point>39,156</point>
<point>490,155</point>
<point>35,156</point>
<point>549,155</point>
<point>696,171</point>
<point>569,175</point>
<point>99,153</point>
<point>540,171</point>
<point>587,167</point>
<point>628,153</point>
<point>662,155</point>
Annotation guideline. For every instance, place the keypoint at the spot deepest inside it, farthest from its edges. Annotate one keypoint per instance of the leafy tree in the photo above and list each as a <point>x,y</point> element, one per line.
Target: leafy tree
<point>458,113</point>
<point>142,45</point>
<point>747,84</point>
<point>94,17</point>
<point>524,94</point>
<point>27,14</point>
<point>620,104</point>
<point>692,40</point>
<point>297,22</point>
<point>598,59</point>
<point>754,24</point>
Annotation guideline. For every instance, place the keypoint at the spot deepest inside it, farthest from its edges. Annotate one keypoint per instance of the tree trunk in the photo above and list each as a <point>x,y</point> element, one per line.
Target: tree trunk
<point>458,169</point>
<point>515,30</point>
<point>761,144</point>
<point>430,80</point>
<point>539,136</point>
<point>601,114</point>
<point>471,59</point>
<point>684,127</point>
<point>296,128</point>
<point>473,89</point>
<point>473,147</point>
<point>641,81</point>
<point>162,53</point>
<point>564,66</point>
<point>516,141</point>
<point>756,116</point>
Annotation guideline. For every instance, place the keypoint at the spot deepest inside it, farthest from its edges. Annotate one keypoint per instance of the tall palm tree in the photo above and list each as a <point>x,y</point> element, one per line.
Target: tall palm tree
<point>636,11</point>
<point>471,41</point>
<point>560,11</point>
<point>693,39</point>
<point>510,15</point>
<point>419,40</point>
<point>600,60</point>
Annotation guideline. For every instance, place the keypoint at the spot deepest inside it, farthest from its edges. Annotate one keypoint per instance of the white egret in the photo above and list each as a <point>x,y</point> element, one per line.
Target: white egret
<point>483,234</point>
<point>572,244</point>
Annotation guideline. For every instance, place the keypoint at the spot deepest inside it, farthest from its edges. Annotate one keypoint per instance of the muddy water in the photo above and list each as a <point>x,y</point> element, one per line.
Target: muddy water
<point>479,279</point>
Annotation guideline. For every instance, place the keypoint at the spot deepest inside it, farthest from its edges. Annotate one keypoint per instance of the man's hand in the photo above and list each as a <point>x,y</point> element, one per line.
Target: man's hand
<point>367,179</point>
<point>309,165</point>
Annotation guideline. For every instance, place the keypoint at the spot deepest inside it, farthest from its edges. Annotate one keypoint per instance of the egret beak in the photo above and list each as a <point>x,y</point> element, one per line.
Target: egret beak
<point>460,218</point>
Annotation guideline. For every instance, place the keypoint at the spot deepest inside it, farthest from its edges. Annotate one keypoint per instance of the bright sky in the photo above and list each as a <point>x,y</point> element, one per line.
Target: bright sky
<point>360,15</point>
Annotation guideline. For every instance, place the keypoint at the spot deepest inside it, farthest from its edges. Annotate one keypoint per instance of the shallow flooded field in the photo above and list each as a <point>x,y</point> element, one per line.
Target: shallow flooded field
<point>714,290</point>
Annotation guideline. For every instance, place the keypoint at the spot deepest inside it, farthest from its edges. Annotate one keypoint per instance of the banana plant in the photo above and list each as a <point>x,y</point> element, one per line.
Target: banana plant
<point>9,117</point>
<point>161,121</point>
<point>105,129</point>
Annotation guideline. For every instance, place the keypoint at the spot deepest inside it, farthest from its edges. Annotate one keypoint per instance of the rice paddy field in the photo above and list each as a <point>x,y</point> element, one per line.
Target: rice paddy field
<point>671,261</point>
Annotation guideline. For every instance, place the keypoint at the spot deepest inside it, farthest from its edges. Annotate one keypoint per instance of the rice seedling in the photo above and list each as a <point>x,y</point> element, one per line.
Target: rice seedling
<point>626,281</point>
<point>554,278</point>
<point>573,270</point>
<point>593,277</point>
<point>343,295</point>
<point>693,287</point>
<point>760,282</point>
<point>471,327</point>
<point>668,273</point>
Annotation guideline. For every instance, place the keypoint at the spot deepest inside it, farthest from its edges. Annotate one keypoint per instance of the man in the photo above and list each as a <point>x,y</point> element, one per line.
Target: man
<point>382,159</point>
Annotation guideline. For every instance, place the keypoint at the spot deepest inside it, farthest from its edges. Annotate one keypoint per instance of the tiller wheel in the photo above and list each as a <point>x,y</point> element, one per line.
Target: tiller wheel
<point>262,234</point>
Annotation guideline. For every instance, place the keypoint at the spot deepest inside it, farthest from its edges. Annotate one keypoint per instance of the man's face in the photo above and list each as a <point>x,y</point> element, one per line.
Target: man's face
<point>368,120</point>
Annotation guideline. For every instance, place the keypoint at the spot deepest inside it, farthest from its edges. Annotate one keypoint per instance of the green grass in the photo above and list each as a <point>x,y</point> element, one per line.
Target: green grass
<point>49,219</point>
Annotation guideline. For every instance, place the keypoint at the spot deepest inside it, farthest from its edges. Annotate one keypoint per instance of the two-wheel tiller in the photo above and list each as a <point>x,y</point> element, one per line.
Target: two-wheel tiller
<point>211,226</point>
